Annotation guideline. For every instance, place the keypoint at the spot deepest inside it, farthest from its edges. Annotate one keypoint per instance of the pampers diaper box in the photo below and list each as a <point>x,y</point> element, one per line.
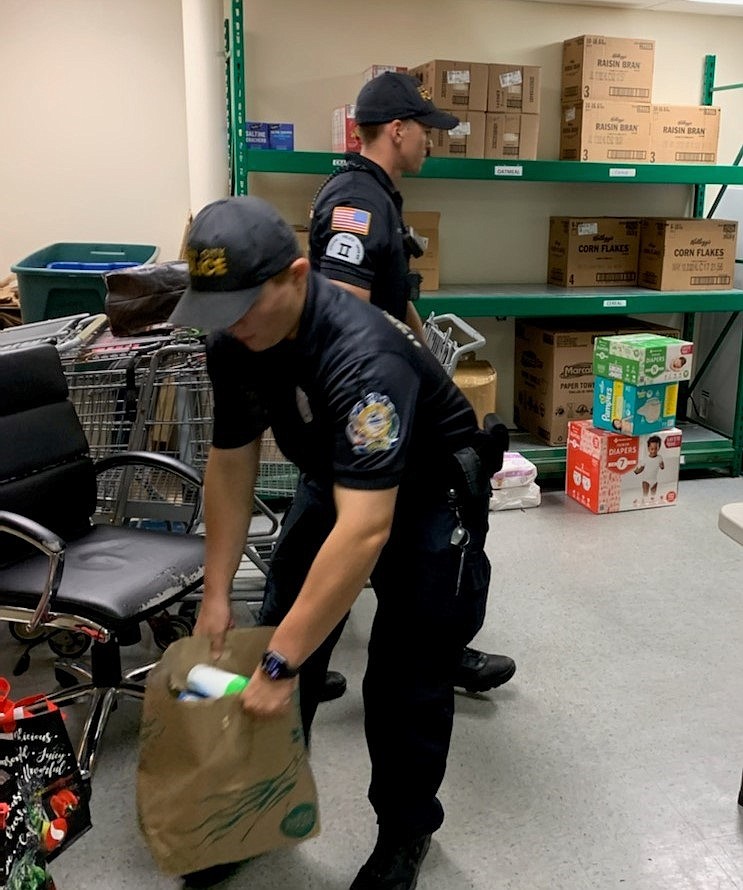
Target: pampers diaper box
<point>608,472</point>
<point>634,410</point>
<point>642,358</point>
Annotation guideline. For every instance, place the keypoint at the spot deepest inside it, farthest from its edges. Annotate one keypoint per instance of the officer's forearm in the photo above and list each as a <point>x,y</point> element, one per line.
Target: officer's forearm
<point>228,506</point>
<point>413,321</point>
<point>337,575</point>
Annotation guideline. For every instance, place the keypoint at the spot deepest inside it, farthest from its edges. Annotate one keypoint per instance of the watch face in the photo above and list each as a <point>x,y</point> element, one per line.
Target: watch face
<point>276,667</point>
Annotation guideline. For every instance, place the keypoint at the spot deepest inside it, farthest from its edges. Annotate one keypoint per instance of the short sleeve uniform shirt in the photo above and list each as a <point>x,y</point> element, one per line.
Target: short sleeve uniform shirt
<point>356,234</point>
<point>353,400</point>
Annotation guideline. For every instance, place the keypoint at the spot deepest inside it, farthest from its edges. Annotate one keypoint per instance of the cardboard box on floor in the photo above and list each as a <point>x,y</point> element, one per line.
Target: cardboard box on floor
<point>599,251</point>
<point>426,224</point>
<point>478,381</point>
<point>553,373</point>
<point>687,254</point>
<point>599,67</point>
<point>608,472</point>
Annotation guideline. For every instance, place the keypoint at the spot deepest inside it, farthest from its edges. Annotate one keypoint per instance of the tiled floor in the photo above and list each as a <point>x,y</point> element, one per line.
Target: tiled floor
<point>612,759</point>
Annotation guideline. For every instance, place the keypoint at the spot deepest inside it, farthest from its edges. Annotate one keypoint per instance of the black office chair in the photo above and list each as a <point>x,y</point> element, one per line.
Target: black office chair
<point>59,569</point>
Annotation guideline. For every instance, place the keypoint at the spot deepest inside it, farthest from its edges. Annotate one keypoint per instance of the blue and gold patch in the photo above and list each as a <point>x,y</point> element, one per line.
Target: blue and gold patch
<point>373,424</point>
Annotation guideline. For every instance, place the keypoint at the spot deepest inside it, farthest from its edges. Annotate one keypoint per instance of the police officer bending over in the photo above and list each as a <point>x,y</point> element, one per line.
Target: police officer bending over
<point>374,424</point>
<point>359,240</point>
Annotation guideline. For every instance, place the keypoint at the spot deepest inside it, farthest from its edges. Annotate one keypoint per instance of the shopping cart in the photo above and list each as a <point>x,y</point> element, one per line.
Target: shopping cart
<point>449,338</point>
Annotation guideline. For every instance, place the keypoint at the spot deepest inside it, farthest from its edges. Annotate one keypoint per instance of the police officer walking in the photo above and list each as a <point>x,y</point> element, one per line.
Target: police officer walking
<point>379,433</point>
<point>359,240</point>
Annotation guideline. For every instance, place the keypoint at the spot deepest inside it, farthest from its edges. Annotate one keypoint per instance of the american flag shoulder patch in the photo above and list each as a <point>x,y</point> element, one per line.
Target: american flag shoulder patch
<point>350,219</point>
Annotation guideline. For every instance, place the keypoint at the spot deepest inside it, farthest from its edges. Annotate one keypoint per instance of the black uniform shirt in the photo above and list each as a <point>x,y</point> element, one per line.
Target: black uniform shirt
<point>356,234</point>
<point>354,399</point>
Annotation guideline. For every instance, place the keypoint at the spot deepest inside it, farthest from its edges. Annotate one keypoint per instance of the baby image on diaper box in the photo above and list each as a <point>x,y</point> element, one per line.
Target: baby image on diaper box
<point>608,472</point>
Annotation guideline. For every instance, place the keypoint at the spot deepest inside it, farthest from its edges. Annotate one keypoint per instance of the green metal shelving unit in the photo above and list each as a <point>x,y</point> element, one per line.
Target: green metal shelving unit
<point>703,448</point>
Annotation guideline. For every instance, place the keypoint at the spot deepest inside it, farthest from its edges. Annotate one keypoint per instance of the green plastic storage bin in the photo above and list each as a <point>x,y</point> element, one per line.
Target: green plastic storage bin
<point>77,284</point>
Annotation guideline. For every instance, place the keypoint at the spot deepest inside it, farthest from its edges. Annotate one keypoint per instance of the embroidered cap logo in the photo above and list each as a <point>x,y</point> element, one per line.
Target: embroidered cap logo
<point>207,263</point>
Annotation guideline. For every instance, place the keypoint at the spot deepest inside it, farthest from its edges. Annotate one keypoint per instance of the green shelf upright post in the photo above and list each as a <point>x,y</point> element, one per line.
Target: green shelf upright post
<point>236,100</point>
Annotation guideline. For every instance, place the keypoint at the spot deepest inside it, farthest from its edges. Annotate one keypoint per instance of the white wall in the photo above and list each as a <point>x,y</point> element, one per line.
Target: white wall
<point>93,122</point>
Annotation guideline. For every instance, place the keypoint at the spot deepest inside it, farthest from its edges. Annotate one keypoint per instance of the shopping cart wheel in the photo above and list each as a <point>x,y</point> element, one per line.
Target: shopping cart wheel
<point>19,632</point>
<point>69,644</point>
<point>166,629</point>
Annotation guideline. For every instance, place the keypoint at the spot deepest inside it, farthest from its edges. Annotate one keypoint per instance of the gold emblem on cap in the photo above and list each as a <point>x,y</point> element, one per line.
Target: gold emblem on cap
<point>208,262</point>
<point>424,93</point>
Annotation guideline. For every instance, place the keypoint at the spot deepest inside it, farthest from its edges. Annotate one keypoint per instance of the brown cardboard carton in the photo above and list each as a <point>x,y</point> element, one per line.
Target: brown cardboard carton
<point>344,136</point>
<point>426,224</point>
<point>511,136</point>
<point>467,140</point>
<point>303,239</point>
<point>375,70</point>
<point>553,373</point>
<point>684,134</point>
<point>514,88</point>
<point>687,254</point>
<point>598,67</point>
<point>605,131</point>
<point>457,86</point>
<point>598,251</point>
<point>478,381</point>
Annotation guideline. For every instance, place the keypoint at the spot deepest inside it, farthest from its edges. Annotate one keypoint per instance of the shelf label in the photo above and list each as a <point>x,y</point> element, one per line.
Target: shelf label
<point>339,162</point>
<point>509,170</point>
<point>614,304</point>
<point>625,172</point>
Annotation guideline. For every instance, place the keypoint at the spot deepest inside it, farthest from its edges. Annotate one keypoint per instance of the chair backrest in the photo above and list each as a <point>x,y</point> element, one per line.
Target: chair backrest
<point>45,471</point>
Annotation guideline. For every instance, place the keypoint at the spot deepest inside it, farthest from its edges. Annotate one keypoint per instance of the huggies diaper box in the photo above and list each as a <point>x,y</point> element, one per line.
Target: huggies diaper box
<point>634,410</point>
<point>642,358</point>
<point>608,472</point>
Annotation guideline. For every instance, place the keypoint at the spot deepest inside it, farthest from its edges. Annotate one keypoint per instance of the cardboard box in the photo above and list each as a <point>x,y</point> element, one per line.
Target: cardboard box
<point>510,136</point>
<point>426,225</point>
<point>343,133</point>
<point>457,86</point>
<point>375,70</point>
<point>605,131</point>
<point>467,140</point>
<point>687,254</point>
<point>281,137</point>
<point>256,134</point>
<point>598,67</point>
<point>634,410</point>
<point>478,381</point>
<point>684,134</point>
<point>553,373</point>
<point>642,358</point>
<point>514,88</point>
<point>599,251</point>
<point>303,239</point>
<point>608,472</point>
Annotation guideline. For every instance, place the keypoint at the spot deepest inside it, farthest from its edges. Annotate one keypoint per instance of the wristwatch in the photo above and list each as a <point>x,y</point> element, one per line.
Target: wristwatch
<point>276,667</point>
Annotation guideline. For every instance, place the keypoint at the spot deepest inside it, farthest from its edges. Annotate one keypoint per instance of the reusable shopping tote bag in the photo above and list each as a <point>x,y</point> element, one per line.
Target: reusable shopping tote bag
<point>213,784</point>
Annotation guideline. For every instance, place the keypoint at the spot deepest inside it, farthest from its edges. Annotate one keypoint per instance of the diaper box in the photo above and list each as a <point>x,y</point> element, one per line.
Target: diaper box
<point>609,472</point>
<point>642,358</point>
<point>634,410</point>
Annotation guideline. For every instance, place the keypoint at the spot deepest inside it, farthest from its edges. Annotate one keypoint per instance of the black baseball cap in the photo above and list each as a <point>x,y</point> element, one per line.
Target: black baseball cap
<point>234,246</point>
<point>394,96</point>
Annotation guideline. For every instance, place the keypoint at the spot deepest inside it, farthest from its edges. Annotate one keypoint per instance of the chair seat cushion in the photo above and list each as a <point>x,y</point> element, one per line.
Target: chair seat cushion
<point>730,521</point>
<point>114,576</point>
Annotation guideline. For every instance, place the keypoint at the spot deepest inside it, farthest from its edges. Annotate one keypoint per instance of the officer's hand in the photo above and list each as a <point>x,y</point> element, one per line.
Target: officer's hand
<point>265,698</point>
<point>213,621</point>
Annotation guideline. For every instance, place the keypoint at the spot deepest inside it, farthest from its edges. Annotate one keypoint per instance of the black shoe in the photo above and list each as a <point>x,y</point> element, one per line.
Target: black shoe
<point>334,686</point>
<point>393,865</point>
<point>479,671</point>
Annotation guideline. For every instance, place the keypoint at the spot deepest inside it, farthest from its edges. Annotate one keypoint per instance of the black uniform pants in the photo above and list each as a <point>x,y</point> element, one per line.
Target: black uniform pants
<point>423,620</point>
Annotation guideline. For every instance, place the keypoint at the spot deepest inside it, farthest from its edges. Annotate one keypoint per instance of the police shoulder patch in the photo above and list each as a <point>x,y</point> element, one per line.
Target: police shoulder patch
<point>345,247</point>
<point>373,424</point>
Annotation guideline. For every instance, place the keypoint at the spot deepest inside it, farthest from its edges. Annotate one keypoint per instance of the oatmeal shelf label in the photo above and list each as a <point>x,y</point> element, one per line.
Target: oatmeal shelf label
<point>508,170</point>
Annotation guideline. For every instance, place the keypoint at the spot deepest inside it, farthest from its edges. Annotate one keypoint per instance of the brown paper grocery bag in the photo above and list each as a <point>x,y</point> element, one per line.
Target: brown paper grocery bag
<point>215,785</point>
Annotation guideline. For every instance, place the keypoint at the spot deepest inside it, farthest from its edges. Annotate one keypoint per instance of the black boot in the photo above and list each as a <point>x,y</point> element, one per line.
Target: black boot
<point>393,865</point>
<point>478,671</point>
<point>334,686</point>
